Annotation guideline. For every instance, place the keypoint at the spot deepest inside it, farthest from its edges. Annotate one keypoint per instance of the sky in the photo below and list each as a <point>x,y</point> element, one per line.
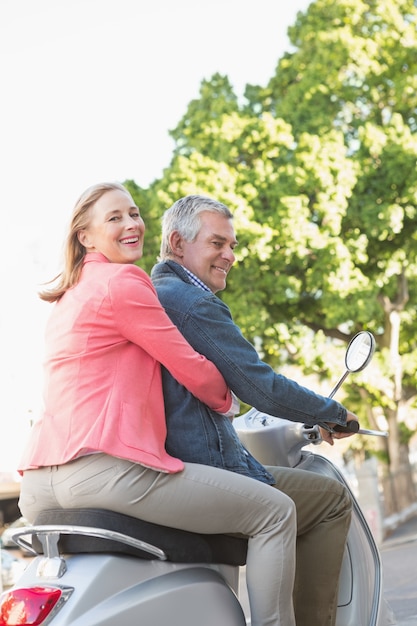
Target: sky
<point>89,92</point>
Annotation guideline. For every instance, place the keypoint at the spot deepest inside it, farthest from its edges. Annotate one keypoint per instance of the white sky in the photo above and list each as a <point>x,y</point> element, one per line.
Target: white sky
<point>88,92</point>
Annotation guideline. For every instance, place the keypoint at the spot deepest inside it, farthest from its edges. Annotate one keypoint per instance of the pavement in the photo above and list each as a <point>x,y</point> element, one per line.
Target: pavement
<point>405,531</point>
<point>404,597</point>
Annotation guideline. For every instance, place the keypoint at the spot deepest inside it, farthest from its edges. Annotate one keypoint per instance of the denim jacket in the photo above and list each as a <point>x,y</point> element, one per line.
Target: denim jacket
<point>197,434</point>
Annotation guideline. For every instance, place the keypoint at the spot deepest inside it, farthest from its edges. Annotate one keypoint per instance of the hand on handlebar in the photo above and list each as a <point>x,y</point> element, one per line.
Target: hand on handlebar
<point>330,431</point>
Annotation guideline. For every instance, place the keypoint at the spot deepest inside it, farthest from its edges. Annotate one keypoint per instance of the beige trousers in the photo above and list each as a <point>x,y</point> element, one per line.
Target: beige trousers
<point>323,508</point>
<point>201,499</point>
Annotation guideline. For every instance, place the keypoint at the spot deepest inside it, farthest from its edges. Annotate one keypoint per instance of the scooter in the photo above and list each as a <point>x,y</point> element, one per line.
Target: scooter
<point>99,568</point>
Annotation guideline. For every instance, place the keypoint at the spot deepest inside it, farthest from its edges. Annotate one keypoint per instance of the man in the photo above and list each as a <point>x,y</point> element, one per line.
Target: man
<point>197,252</point>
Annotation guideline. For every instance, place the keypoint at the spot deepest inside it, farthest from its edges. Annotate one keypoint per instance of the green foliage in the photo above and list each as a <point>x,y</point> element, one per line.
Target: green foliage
<point>355,61</point>
<point>199,128</point>
<point>405,433</point>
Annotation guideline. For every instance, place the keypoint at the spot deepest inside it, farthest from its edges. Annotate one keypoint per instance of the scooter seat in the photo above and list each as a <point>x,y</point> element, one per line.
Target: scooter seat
<point>179,545</point>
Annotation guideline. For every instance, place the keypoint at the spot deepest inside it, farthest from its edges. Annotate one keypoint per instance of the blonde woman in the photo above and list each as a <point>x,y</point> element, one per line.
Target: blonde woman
<point>101,439</point>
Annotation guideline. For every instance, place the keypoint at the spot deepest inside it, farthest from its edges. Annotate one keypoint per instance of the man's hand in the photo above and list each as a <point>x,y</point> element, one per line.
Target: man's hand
<point>329,436</point>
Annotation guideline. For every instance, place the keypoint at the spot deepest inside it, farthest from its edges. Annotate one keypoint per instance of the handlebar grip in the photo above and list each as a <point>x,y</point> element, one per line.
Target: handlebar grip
<point>351,427</point>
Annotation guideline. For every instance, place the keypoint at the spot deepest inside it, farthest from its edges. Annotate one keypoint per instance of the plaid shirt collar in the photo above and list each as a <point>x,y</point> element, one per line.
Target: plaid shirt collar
<point>196,281</point>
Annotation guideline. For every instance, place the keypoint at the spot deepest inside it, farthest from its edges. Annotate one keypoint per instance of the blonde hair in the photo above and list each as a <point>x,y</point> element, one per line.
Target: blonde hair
<point>74,251</point>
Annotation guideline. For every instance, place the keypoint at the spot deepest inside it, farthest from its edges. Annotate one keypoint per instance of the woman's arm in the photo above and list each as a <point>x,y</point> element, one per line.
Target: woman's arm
<point>140,318</point>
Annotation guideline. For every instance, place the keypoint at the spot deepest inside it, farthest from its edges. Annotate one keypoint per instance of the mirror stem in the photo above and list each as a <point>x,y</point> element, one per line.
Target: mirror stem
<point>339,384</point>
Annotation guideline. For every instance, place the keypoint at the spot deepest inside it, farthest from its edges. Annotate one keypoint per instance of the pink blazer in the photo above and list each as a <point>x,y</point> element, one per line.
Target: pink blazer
<point>106,339</point>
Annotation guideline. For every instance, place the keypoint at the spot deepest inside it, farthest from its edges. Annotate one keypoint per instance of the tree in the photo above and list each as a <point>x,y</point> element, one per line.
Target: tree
<point>355,65</point>
<point>319,167</point>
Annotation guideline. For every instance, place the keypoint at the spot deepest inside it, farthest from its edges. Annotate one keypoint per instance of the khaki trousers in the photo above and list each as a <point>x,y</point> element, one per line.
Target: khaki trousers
<point>201,499</point>
<point>323,508</point>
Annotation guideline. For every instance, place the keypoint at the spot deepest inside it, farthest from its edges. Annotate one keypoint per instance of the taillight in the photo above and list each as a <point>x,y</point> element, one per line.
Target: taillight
<point>31,606</point>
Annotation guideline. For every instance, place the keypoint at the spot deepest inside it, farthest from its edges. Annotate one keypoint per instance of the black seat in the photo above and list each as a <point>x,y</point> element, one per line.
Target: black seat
<point>179,545</point>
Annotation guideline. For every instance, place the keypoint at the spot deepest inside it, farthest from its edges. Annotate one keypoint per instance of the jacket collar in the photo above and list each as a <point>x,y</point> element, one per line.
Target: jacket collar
<point>95,256</point>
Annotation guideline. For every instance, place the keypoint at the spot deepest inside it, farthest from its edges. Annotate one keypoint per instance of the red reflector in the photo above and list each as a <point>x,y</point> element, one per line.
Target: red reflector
<point>27,607</point>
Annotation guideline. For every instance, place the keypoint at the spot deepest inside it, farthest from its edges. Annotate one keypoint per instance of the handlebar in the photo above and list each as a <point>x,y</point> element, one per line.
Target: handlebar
<point>354,427</point>
<point>351,427</point>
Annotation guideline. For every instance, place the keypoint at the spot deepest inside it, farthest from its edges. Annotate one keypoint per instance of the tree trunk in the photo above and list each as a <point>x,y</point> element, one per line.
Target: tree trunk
<point>399,490</point>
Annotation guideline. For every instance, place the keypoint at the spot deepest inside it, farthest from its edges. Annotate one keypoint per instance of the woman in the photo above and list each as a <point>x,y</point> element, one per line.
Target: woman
<point>101,437</point>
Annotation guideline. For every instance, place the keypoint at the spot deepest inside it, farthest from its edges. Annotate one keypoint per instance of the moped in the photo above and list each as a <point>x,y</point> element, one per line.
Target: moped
<point>99,568</point>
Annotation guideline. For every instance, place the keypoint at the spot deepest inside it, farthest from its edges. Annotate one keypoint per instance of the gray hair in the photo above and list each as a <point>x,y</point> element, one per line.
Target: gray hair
<point>184,217</point>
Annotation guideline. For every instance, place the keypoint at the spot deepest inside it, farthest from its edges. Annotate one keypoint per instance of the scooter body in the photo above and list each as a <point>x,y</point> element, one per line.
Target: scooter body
<point>108,589</point>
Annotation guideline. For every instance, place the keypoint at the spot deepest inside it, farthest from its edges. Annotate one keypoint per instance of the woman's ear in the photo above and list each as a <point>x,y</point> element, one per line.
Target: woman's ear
<point>84,239</point>
<point>176,241</point>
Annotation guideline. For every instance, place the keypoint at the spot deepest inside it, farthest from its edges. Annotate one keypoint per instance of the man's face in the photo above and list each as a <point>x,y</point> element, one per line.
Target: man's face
<point>211,255</point>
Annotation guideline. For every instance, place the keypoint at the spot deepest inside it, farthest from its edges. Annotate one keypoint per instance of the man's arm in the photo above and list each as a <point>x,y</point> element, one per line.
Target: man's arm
<point>209,327</point>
